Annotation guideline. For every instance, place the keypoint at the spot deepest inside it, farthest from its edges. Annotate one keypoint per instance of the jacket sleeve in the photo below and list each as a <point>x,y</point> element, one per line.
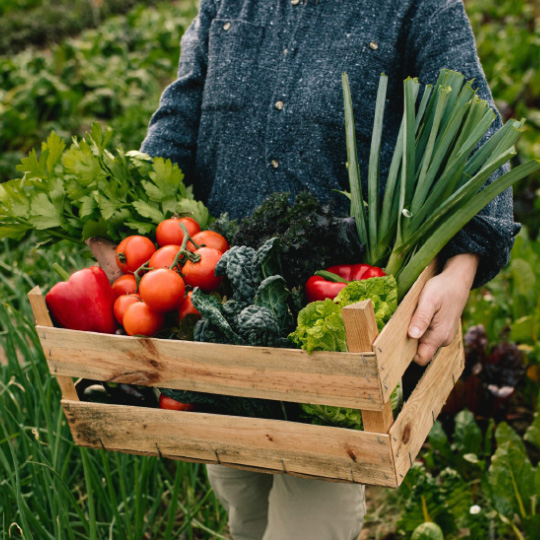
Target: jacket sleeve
<point>174,127</point>
<point>439,35</point>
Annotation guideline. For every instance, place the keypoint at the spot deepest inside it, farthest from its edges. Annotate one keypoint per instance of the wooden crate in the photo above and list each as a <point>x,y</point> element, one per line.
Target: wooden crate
<point>362,378</point>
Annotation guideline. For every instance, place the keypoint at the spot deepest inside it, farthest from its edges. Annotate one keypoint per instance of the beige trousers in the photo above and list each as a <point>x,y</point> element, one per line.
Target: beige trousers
<point>281,507</point>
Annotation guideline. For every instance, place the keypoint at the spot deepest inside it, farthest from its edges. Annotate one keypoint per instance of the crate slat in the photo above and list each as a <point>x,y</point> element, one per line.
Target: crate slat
<point>418,415</point>
<point>341,379</point>
<point>266,445</point>
<point>43,318</point>
<point>394,349</point>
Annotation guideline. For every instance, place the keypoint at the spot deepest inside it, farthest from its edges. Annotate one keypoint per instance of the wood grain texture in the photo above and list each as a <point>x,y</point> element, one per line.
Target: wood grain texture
<point>341,379</point>
<point>267,445</point>
<point>394,349</point>
<point>360,326</point>
<point>361,329</point>
<point>378,421</point>
<point>418,415</point>
<point>43,318</point>
<point>39,307</point>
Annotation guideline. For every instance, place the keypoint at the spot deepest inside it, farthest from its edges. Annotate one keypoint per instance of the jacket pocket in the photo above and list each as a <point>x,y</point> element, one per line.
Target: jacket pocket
<point>233,54</point>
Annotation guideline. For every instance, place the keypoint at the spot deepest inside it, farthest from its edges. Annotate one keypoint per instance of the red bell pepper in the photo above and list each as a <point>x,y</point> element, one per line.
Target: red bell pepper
<point>84,302</point>
<point>327,283</point>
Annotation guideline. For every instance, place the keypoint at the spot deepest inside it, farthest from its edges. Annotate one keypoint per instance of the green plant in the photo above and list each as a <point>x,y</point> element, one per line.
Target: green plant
<point>114,74</point>
<point>463,485</point>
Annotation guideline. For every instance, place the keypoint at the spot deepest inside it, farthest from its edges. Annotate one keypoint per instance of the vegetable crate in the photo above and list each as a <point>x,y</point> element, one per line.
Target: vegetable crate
<point>362,378</point>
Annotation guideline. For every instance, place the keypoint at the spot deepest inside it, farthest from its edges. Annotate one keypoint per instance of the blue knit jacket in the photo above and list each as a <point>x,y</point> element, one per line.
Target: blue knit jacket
<point>258,103</point>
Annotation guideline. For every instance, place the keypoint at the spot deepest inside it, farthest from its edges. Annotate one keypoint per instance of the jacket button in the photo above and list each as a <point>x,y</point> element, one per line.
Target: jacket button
<point>227,26</point>
<point>373,46</point>
<point>275,163</point>
<point>295,2</point>
<point>279,105</point>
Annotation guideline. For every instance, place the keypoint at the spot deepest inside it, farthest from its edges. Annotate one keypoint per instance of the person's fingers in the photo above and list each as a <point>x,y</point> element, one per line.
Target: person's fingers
<point>423,315</point>
<point>435,338</point>
<point>425,353</point>
<point>104,252</point>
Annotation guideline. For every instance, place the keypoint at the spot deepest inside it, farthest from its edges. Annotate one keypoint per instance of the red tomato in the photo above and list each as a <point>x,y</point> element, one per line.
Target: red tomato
<point>201,274</point>
<point>166,402</point>
<point>209,239</point>
<point>139,319</point>
<point>134,251</point>
<point>122,303</point>
<point>164,257</point>
<point>162,290</point>
<point>170,232</point>
<point>126,284</point>
<point>187,307</point>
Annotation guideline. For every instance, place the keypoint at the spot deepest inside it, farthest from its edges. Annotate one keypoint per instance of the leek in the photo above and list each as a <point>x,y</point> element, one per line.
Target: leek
<point>437,174</point>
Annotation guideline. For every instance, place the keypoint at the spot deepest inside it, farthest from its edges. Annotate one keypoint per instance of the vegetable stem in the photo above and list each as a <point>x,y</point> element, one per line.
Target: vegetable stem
<point>330,276</point>
<point>60,271</point>
<point>357,199</point>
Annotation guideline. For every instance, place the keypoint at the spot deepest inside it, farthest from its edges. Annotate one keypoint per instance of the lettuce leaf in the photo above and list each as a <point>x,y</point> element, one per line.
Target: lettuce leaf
<point>382,291</point>
<point>320,328</point>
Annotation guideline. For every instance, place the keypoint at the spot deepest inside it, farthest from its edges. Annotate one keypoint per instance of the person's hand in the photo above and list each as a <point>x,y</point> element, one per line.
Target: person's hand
<point>104,252</point>
<point>440,305</point>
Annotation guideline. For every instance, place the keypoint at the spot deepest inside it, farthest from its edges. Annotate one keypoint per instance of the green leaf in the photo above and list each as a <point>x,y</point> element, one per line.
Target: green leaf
<point>99,138</point>
<point>14,199</point>
<point>88,205</point>
<point>524,330</point>
<point>195,209</point>
<point>81,162</point>
<point>373,171</point>
<point>320,328</point>
<point>43,213</point>
<point>15,230</point>
<point>141,227</point>
<point>467,434</point>
<point>55,146</point>
<point>93,229</point>
<point>149,211</point>
<point>457,221</point>
<point>532,435</point>
<point>511,476</point>
<point>427,531</point>
<point>168,179</point>
<point>32,167</point>
<point>355,185</point>
<point>382,291</point>
<point>439,445</point>
<point>211,309</point>
<point>106,206</point>
<point>273,294</point>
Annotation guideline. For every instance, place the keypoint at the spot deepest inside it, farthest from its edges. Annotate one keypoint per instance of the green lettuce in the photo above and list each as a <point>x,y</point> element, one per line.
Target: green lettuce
<point>344,416</point>
<point>382,291</point>
<point>320,328</point>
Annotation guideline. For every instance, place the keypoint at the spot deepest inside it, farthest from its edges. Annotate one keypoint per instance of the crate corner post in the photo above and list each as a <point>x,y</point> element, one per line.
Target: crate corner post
<point>43,318</point>
<point>361,330</point>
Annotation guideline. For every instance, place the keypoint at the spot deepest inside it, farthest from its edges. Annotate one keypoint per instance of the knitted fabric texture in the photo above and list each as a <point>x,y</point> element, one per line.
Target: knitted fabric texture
<point>258,103</point>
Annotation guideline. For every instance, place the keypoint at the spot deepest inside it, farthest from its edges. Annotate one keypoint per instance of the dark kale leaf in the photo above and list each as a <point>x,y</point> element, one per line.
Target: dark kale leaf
<point>312,237</point>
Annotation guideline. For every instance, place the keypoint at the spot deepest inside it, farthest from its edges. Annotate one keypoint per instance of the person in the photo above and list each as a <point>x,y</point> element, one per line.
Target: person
<point>257,108</point>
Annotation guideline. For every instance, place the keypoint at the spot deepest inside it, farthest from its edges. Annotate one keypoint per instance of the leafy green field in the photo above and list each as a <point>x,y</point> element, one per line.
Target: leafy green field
<point>477,476</point>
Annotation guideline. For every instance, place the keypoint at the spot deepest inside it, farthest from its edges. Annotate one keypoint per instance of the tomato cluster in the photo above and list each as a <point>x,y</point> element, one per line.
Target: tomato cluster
<point>157,281</point>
